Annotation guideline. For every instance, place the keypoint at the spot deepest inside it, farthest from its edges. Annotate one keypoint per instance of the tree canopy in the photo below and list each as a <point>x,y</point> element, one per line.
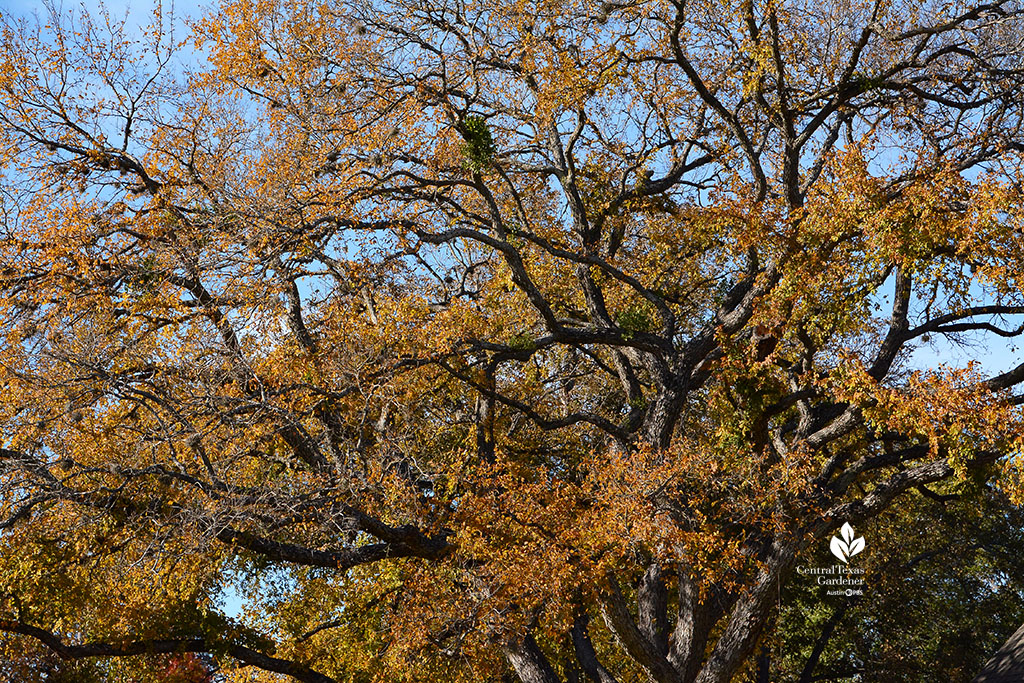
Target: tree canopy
<point>538,340</point>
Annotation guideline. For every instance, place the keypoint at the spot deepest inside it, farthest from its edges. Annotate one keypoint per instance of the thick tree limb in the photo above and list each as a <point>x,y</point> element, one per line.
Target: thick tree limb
<point>130,648</point>
<point>646,653</point>
<point>586,655</point>
<point>529,663</point>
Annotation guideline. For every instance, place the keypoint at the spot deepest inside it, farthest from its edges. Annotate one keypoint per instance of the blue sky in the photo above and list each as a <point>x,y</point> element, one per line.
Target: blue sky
<point>138,12</point>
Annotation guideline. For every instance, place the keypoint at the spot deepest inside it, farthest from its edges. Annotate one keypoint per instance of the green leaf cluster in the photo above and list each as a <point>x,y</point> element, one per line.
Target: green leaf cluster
<point>478,150</point>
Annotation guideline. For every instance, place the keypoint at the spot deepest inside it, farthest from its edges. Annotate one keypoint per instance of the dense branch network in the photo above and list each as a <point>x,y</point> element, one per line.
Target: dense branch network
<point>327,328</point>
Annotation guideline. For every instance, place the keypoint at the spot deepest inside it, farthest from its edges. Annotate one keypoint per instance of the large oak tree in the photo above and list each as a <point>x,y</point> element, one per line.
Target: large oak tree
<point>478,340</point>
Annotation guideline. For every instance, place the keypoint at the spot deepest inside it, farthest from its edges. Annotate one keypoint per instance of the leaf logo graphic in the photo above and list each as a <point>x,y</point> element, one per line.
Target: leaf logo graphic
<point>846,547</point>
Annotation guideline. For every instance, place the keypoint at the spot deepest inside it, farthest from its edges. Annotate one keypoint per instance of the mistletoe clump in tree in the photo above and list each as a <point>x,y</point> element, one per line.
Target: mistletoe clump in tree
<point>472,341</point>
